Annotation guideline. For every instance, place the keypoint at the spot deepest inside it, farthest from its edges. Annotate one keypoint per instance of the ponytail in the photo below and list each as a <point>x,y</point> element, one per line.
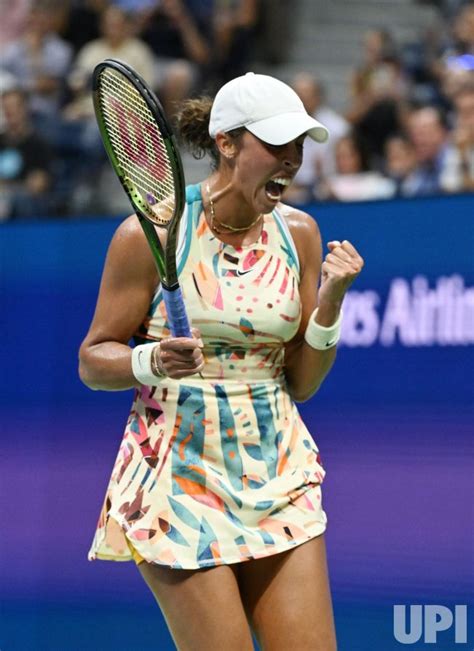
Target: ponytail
<point>192,123</point>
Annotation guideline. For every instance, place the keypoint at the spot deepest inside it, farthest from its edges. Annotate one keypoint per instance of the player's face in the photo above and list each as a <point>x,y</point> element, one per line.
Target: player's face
<point>263,172</point>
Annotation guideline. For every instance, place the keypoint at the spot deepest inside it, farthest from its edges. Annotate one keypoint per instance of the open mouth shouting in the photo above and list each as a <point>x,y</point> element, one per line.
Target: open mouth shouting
<point>275,187</point>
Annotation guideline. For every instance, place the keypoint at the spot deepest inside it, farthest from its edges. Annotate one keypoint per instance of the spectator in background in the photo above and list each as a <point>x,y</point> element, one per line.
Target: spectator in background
<point>275,31</point>
<point>463,31</point>
<point>234,24</point>
<point>456,74</point>
<point>116,42</point>
<point>13,19</point>
<point>420,58</point>
<point>80,144</point>
<point>378,89</point>
<point>7,82</point>
<point>39,61</point>
<point>82,23</point>
<point>458,172</point>
<point>318,159</point>
<point>400,163</point>
<point>430,137</point>
<point>455,67</point>
<point>179,36</point>
<point>454,59</point>
<point>25,163</point>
<point>353,179</point>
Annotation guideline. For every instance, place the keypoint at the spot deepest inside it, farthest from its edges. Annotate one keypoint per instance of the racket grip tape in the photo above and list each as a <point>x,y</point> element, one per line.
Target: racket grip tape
<point>176,312</point>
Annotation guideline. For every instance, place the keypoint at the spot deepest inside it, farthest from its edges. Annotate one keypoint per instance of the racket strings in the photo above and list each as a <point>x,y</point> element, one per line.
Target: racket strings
<point>138,145</point>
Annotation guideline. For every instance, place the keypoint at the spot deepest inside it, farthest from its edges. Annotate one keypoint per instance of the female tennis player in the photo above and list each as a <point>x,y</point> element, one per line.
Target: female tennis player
<point>216,489</point>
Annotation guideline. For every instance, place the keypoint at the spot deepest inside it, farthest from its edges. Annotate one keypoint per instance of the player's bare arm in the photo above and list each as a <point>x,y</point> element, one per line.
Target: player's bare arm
<point>128,282</point>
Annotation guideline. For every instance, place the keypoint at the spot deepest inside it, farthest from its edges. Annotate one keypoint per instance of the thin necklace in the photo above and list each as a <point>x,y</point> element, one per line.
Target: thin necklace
<point>215,221</point>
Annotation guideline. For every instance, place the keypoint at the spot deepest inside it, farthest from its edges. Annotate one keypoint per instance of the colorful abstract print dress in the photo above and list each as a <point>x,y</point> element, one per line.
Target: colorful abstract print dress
<point>222,469</point>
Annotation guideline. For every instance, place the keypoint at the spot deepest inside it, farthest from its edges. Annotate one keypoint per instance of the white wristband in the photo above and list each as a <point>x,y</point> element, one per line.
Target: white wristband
<point>141,364</point>
<point>322,337</point>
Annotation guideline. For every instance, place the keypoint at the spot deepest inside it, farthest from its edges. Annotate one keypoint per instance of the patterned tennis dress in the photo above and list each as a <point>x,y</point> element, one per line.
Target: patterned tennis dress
<point>222,469</point>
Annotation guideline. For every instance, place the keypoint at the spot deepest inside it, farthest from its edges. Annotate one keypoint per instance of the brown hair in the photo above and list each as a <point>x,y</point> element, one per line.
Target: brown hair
<point>192,122</point>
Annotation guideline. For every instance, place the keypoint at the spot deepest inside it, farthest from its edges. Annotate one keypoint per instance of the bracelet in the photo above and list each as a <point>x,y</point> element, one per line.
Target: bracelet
<point>142,367</point>
<point>155,362</point>
<point>322,337</point>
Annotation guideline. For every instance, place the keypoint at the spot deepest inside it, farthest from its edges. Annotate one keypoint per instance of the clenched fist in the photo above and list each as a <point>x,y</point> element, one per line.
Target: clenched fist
<point>340,268</point>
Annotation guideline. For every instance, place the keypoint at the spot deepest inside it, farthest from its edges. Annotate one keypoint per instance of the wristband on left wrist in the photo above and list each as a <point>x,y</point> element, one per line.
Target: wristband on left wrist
<point>322,337</point>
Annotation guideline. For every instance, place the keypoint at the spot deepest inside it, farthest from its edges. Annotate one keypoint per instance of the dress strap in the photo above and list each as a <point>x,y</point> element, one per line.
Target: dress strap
<point>287,238</point>
<point>193,193</point>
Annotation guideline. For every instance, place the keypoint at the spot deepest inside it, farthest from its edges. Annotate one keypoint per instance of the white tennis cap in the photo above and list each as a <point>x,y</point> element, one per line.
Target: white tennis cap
<point>265,106</point>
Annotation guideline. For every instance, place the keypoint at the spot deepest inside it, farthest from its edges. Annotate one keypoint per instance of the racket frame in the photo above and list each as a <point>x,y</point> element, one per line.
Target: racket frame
<point>165,257</point>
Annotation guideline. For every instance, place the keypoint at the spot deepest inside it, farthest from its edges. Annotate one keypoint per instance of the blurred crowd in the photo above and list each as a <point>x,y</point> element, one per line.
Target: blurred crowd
<point>407,129</point>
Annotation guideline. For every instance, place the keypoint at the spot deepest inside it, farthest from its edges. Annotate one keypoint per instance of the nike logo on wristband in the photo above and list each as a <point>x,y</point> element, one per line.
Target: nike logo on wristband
<point>330,343</point>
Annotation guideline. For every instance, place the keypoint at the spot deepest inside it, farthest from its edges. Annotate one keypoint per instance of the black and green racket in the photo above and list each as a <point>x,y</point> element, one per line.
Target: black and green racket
<point>142,149</point>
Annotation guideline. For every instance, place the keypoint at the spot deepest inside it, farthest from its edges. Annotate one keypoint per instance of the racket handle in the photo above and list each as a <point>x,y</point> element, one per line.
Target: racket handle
<point>175,310</point>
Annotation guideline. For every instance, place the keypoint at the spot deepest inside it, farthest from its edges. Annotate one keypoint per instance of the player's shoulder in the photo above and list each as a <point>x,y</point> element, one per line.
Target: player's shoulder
<point>129,252</point>
<point>128,228</point>
<point>301,224</point>
<point>129,233</point>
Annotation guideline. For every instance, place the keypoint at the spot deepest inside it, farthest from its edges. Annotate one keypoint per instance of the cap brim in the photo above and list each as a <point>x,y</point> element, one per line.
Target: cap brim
<point>283,128</point>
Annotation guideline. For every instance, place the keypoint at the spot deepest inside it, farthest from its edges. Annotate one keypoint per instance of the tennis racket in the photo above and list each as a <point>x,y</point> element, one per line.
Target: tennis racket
<point>142,149</point>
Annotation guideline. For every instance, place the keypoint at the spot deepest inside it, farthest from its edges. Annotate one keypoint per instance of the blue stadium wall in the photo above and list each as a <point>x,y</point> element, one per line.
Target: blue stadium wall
<point>393,422</point>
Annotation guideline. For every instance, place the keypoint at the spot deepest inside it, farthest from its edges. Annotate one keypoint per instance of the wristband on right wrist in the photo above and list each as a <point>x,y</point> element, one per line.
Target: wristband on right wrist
<point>143,367</point>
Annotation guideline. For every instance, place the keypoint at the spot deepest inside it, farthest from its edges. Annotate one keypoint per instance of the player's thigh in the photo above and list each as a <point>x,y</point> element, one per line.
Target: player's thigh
<point>288,600</point>
<point>202,608</point>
